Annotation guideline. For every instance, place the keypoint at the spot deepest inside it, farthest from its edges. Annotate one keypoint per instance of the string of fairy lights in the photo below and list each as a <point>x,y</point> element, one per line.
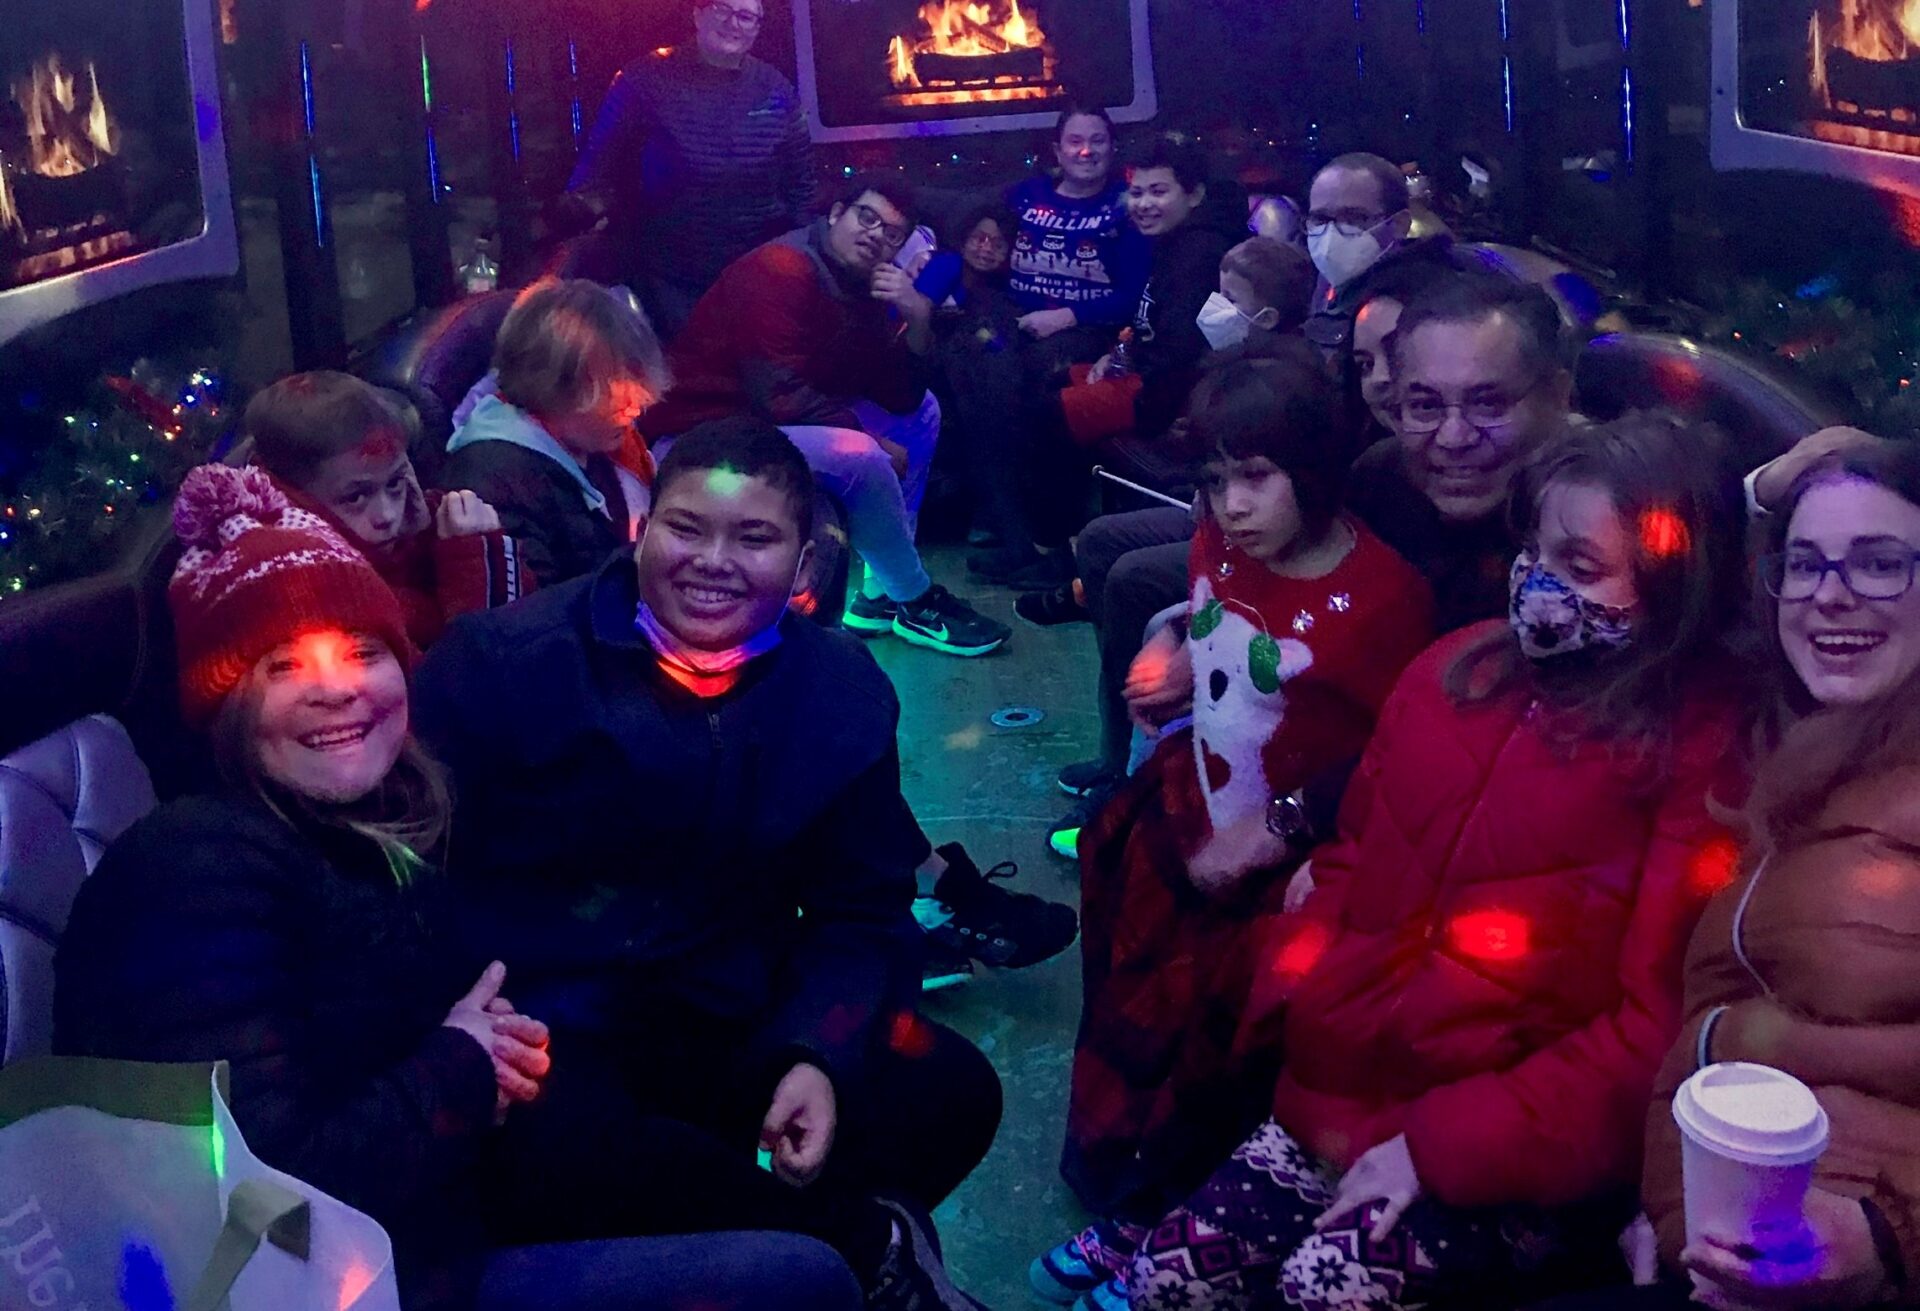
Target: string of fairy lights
<point>124,451</point>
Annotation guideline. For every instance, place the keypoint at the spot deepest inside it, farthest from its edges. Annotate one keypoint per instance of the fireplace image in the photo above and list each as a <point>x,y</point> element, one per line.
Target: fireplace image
<point>111,170</point>
<point>895,68</point>
<point>1825,86</point>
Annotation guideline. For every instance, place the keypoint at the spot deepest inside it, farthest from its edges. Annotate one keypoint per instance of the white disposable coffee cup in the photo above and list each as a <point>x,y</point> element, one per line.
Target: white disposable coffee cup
<point>1749,1137</point>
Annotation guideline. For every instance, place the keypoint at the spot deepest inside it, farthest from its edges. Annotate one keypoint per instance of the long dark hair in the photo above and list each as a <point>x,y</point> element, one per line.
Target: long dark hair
<point>1826,751</point>
<point>1670,482</point>
<point>1785,700</point>
<point>407,816</point>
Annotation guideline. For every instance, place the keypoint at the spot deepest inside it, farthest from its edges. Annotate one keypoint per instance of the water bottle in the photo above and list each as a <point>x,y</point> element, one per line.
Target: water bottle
<point>1120,358</point>
<point>480,273</point>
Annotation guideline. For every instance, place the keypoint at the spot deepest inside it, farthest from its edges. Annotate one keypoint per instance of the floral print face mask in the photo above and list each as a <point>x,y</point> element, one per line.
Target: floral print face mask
<point>1551,617</point>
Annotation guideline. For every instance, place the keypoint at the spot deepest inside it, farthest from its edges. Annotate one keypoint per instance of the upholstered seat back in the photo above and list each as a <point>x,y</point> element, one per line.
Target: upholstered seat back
<point>1763,408</point>
<point>62,800</point>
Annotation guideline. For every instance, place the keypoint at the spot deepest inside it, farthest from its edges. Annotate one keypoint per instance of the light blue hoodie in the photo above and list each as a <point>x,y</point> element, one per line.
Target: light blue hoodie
<point>484,417</point>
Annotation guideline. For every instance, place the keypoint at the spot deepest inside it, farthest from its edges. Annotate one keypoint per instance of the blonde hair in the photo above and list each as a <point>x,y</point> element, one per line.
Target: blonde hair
<point>566,341</point>
<point>408,816</point>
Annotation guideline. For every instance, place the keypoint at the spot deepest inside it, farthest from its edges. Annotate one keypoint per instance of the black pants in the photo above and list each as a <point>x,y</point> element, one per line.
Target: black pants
<point>658,1135</point>
<point>1031,480</point>
<point>1133,566</point>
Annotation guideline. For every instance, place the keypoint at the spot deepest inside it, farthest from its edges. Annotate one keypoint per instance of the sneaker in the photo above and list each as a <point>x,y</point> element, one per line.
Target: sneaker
<point>1052,607</point>
<point>1110,1296</point>
<point>943,966</point>
<point>944,622</point>
<point>1085,777</point>
<point>1010,930</point>
<point>1064,837</point>
<point>1087,1263</point>
<point>870,616</point>
<point>912,1276</point>
<point>982,537</point>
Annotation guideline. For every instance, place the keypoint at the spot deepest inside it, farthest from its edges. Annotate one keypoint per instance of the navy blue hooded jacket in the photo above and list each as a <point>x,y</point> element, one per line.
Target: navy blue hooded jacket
<point>624,845</point>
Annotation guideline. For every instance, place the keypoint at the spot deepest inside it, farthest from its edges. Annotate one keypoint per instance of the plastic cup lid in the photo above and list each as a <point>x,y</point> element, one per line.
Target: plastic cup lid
<point>1752,1113</point>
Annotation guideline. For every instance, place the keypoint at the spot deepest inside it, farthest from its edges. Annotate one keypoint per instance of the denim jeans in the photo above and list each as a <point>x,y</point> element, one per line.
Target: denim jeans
<point>883,509</point>
<point>741,1271</point>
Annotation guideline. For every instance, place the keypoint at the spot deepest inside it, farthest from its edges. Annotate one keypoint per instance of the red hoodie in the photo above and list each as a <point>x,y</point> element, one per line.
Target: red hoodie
<point>436,579</point>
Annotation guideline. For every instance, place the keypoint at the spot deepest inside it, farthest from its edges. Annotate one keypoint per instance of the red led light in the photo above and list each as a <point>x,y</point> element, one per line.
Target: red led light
<point>1302,951</point>
<point>1490,935</point>
<point>1663,533</point>
<point>1713,866</point>
<point>910,1036</point>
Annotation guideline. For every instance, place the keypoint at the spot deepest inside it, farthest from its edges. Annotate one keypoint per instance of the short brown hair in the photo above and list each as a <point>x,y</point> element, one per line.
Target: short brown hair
<point>566,340</point>
<point>305,419</point>
<point>1279,275</point>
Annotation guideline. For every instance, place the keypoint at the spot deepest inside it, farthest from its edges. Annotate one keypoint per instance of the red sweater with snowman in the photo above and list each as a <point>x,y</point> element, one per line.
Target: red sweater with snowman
<point>1289,673</point>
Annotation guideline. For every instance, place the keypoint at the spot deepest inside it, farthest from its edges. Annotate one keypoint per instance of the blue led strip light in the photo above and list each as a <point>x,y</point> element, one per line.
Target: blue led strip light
<point>313,158</point>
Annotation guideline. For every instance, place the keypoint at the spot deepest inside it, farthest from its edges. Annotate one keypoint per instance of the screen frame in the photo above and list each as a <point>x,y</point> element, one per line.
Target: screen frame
<point>1144,105</point>
<point>213,252</point>
<point>1733,145</point>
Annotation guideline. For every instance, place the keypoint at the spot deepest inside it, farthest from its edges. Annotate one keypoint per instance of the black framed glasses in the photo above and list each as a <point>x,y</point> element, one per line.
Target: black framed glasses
<point>1347,225</point>
<point>1486,412</point>
<point>871,220</point>
<point>744,19</point>
<point>1872,571</point>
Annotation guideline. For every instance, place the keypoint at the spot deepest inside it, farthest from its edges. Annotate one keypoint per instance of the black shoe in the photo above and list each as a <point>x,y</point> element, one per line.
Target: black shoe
<point>1056,605</point>
<point>942,621</point>
<point>1052,569</point>
<point>1011,930</point>
<point>869,616</point>
<point>1085,777</point>
<point>912,1276</point>
<point>1063,838</point>
<point>1002,562</point>
<point>983,537</point>
<point>942,965</point>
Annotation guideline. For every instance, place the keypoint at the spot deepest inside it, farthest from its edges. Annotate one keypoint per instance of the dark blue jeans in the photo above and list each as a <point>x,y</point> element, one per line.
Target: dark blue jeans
<point>742,1271</point>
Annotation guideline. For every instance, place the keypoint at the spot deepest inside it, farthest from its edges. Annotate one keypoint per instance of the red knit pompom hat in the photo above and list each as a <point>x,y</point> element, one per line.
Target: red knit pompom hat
<point>259,571</point>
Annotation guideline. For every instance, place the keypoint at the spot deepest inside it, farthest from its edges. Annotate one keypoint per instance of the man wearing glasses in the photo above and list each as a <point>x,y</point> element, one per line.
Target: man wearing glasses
<point>820,332</point>
<point>700,153</point>
<point>1360,222</point>
<point>1480,379</point>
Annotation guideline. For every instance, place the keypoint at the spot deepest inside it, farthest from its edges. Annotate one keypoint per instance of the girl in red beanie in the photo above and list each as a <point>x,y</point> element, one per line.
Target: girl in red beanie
<point>292,924</point>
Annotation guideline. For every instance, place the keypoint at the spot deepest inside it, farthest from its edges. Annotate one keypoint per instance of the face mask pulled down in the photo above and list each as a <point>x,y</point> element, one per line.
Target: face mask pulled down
<point>1551,618</point>
<point>1342,258</point>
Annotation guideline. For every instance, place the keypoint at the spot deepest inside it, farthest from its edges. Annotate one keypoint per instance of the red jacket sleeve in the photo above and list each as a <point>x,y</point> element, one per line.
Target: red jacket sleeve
<point>1566,1121</point>
<point>477,572</point>
<point>1285,946</point>
<point>787,322</point>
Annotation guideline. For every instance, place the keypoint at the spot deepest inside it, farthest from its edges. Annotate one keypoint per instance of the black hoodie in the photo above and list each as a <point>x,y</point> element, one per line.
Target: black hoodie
<point>1168,346</point>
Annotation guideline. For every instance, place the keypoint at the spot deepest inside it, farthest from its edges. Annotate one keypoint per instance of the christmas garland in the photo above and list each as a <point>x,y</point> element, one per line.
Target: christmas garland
<point>70,512</point>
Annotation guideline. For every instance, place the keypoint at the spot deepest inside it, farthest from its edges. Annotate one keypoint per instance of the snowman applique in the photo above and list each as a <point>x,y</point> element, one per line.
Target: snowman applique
<point>1239,703</point>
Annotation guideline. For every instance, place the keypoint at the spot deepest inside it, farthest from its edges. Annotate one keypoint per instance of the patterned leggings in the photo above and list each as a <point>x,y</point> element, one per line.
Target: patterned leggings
<point>1246,1241</point>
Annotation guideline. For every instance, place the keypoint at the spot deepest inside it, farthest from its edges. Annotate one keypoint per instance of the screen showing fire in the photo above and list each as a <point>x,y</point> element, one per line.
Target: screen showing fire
<point>1840,71</point>
<point>97,136</point>
<point>906,62</point>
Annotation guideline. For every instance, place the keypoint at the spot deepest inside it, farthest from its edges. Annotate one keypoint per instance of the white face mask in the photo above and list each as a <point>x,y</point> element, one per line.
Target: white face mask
<point>1341,258</point>
<point>1222,322</point>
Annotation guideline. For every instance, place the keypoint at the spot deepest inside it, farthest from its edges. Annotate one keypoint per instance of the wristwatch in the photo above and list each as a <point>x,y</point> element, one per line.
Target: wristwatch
<point>1287,820</point>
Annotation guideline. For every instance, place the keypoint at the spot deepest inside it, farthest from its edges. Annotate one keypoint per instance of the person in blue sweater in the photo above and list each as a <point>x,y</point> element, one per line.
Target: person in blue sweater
<point>1078,265</point>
